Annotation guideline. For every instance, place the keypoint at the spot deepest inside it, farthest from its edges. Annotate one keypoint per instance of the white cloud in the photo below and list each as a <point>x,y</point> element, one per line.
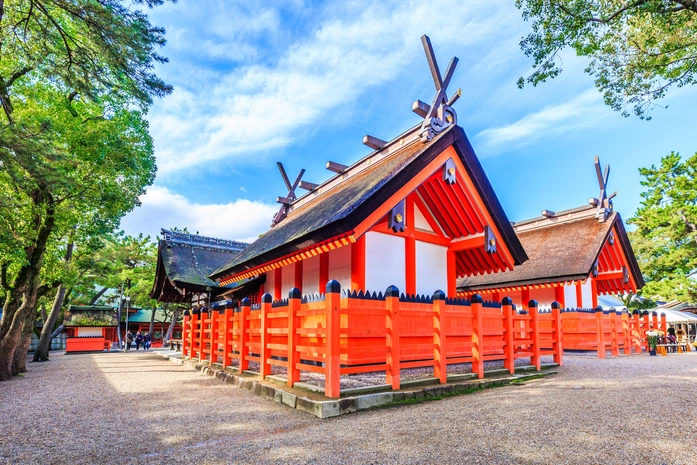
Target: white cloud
<point>261,106</point>
<point>584,110</point>
<point>240,220</point>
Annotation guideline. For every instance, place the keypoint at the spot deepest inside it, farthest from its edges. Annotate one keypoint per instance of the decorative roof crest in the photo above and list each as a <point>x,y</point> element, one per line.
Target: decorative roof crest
<point>289,198</point>
<point>195,240</point>
<point>603,203</point>
<point>439,115</point>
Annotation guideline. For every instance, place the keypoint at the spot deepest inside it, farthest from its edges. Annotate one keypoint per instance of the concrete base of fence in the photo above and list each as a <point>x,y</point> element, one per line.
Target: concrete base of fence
<point>354,400</point>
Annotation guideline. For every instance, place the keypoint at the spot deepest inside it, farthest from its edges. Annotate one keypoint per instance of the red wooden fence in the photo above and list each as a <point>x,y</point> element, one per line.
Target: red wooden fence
<point>337,334</point>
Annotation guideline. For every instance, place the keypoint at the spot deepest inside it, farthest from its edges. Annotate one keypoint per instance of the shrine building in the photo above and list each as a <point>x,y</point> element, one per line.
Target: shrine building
<point>574,256</point>
<point>417,213</point>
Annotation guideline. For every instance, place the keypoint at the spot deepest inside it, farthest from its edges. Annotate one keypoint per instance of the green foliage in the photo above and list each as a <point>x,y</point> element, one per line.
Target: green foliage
<point>665,240</point>
<point>637,50</point>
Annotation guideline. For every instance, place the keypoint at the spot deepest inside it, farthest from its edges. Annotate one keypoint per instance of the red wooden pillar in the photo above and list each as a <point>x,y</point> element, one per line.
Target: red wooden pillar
<point>277,283</point>
<point>264,367</point>
<point>509,349</point>
<point>664,324</point>
<point>185,334</point>
<point>213,334</point>
<point>451,265</point>
<point>323,272</point>
<point>228,314</point>
<point>636,331</point>
<point>245,308</point>
<point>655,321</point>
<point>557,336</point>
<point>192,332</point>
<point>294,303</point>
<point>201,332</point>
<point>440,366</point>
<point>410,264</point>
<point>357,265</point>
<point>394,370</point>
<point>477,336</point>
<point>626,333</point>
<point>600,331</point>
<point>559,296</point>
<point>524,297</point>
<point>332,386</point>
<point>615,346</point>
<point>535,323</point>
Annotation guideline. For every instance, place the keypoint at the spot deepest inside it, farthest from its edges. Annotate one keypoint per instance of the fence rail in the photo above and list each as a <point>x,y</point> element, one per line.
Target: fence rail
<point>338,334</point>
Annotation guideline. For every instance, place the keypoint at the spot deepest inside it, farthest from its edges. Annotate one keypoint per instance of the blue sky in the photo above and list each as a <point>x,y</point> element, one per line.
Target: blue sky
<point>303,82</point>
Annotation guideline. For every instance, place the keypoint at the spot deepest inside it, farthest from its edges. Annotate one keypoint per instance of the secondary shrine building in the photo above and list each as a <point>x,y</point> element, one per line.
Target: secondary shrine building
<point>574,256</point>
<point>414,214</point>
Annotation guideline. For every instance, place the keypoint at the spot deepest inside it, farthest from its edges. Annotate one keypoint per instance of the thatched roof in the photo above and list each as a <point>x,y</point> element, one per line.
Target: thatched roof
<point>559,251</point>
<point>346,205</point>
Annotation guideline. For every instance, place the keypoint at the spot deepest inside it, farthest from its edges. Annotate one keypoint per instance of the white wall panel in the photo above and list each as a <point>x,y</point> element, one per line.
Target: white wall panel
<point>431,268</point>
<point>570,296</point>
<point>287,279</point>
<point>340,266</point>
<point>420,221</point>
<point>587,293</point>
<point>89,332</point>
<point>384,262</point>
<point>310,275</point>
<point>269,284</point>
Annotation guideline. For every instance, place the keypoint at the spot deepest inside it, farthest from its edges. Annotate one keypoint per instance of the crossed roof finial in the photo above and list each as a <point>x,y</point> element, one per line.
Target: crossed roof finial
<point>440,114</point>
<point>289,198</point>
<point>603,203</point>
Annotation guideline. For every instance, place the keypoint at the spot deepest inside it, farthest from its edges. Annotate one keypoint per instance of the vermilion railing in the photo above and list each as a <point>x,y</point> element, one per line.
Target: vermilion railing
<point>337,334</point>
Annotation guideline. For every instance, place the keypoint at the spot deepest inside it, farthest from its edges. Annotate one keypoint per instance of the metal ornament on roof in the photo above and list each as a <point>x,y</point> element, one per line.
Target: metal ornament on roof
<point>603,203</point>
<point>439,115</point>
<point>289,198</point>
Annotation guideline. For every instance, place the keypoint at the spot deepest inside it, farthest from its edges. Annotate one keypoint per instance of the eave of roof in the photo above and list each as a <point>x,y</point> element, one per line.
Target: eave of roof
<point>338,211</point>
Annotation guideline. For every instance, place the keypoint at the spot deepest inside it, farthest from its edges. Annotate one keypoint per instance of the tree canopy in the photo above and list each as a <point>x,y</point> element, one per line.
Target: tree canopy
<point>665,240</point>
<point>76,78</point>
<point>638,49</point>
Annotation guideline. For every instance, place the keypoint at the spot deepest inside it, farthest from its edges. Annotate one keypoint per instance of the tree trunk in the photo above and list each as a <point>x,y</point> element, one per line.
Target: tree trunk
<point>19,364</point>
<point>42,349</point>
<point>170,330</point>
<point>20,303</point>
<point>152,322</point>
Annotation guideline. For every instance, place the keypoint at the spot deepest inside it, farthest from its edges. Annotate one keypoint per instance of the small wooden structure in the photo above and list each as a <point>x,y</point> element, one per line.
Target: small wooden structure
<point>90,328</point>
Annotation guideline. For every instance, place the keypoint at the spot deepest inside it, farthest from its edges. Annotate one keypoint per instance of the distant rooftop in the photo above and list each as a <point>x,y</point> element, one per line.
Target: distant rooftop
<point>194,240</point>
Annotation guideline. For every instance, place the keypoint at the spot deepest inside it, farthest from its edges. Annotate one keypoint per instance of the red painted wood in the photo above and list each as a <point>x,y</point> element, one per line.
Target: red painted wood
<point>410,264</point>
<point>440,367</point>
<point>332,385</point>
<point>323,272</point>
<point>392,341</point>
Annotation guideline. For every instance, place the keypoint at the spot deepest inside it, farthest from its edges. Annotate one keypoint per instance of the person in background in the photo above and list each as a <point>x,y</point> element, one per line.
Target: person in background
<point>139,340</point>
<point>147,340</point>
<point>129,340</point>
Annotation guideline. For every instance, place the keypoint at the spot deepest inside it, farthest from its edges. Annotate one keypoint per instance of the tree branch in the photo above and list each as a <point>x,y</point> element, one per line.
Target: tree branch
<point>3,276</point>
<point>614,15</point>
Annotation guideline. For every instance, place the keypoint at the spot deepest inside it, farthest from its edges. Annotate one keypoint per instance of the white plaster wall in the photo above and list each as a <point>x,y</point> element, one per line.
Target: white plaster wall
<point>340,266</point>
<point>89,332</point>
<point>287,279</point>
<point>420,221</point>
<point>570,296</point>
<point>587,294</point>
<point>310,275</point>
<point>431,268</point>
<point>270,285</point>
<point>384,262</point>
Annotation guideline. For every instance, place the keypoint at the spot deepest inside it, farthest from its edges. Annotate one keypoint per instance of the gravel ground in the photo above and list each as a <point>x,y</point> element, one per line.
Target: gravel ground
<point>138,408</point>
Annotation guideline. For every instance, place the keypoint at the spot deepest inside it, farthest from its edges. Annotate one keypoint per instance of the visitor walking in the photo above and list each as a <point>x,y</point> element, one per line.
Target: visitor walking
<point>147,340</point>
<point>129,340</point>
<point>139,340</point>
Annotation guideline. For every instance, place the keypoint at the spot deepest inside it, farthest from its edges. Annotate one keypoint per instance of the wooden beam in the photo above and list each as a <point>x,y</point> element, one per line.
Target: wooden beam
<point>614,274</point>
<point>336,167</point>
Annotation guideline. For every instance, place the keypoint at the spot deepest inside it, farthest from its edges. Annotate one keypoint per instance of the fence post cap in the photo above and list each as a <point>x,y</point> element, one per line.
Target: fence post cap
<point>392,291</point>
<point>663,314</point>
<point>645,312</point>
<point>598,309</point>
<point>333,286</point>
<point>245,302</point>
<point>266,298</point>
<point>654,313</point>
<point>476,299</point>
<point>186,313</point>
<point>294,293</point>
<point>195,311</point>
<point>506,301</point>
<point>635,312</point>
<point>613,310</point>
<point>532,303</point>
<point>555,305</point>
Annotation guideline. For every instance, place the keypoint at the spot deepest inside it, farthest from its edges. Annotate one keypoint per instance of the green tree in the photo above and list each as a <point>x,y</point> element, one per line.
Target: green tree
<point>665,240</point>
<point>76,77</point>
<point>637,49</point>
